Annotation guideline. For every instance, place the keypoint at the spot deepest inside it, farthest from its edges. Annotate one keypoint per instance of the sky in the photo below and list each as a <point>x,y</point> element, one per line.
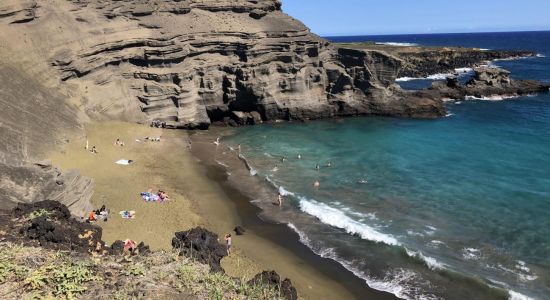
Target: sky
<point>364,17</point>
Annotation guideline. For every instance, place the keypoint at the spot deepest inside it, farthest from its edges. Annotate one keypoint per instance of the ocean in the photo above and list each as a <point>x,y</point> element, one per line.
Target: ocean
<point>454,208</point>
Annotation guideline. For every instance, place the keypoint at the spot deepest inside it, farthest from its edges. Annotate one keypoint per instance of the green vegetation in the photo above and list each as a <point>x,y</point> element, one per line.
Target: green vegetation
<point>36,273</point>
<point>39,213</point>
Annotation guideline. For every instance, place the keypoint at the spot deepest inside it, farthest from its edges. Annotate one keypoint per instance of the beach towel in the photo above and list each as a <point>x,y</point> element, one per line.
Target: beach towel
<point>127,214</point>
<point>149,197</point>
<point>124,162</point>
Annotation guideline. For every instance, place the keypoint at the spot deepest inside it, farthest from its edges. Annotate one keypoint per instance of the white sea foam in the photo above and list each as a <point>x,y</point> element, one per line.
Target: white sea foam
<point>431,77</point>
<point>401,79</point>
<point>399,282</point>
<point>540,55</point>
<point>464,70</point>
<point>397,44</point>
<point>222,164</point>
<point>438,76</point>
<point>414,233</point>
<point>267,154</point>
<point>491,98</point>
<point>471,253</point>
<point>253,172</point>
<point>436,243</point>
<point>518,296</point>
<point>284,192</point>
<point>334,217</point>
<point>430,230</point>
<point>449,115</point>
<point>431,262</point>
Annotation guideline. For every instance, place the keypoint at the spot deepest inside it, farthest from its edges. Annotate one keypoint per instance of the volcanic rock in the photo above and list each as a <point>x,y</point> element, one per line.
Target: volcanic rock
<point>201,245</point>
<point>273,279</point>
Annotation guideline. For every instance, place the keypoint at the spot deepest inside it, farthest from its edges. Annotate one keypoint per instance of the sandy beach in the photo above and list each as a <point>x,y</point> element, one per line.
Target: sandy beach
<point>198,197</point>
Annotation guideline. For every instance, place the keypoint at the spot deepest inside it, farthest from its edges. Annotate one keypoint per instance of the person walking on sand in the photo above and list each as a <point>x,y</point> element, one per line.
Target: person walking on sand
<point>228,242</point>
<point>280,199</point>
<point>86,148</point>
<point>217,142</point>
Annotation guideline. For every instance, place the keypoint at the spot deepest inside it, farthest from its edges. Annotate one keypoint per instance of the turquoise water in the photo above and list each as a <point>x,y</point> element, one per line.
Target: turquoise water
<point>424,208</point>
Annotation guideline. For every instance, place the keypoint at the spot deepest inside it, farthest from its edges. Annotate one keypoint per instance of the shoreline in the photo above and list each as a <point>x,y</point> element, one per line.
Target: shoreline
<point>257,217</point>
<point>200,195</point>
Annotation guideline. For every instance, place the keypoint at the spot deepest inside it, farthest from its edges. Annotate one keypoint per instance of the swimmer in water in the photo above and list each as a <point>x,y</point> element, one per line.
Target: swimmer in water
<point>362,181</point>
<point>316,184</point>
<point>299,156</point>
<point>329,164</point>
<point>317,167</point>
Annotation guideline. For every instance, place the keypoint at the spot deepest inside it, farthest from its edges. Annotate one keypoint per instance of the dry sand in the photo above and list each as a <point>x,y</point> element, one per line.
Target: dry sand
<point>195,200</point>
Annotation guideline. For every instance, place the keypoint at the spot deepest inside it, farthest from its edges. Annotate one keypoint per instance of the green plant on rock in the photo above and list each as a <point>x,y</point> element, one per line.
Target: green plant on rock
<point>39,213</point>
<point>135,270</point>
<point>9,268</point>
<point>65,278</point>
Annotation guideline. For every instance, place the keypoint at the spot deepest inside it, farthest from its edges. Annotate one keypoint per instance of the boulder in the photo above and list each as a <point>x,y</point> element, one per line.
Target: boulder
<point>201,245</point>
<point>239,230</point>
<point>273,279</point>
<point>254,118</point>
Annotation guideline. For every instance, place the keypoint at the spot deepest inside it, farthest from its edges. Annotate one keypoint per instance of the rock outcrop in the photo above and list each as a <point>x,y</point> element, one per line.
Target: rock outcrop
<point>28,183</point>
<point>48,224</point>
<point>273,279</point>
<point>201,245</point>
<point>191,63</point>
<point>488,82</point>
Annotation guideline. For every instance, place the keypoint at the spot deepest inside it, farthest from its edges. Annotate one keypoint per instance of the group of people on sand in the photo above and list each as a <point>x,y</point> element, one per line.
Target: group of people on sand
<point>160,196</point>
<point>98,215</point>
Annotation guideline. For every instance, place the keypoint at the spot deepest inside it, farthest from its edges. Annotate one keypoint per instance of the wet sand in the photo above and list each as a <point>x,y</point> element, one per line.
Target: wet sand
<point>200,196</point>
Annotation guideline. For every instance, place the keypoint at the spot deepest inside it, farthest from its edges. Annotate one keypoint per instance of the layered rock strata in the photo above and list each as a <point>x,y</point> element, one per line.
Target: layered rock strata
<point>191,63</point>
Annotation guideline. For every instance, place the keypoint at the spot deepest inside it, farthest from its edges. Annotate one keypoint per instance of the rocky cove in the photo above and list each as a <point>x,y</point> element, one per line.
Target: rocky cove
<point>191,64</point>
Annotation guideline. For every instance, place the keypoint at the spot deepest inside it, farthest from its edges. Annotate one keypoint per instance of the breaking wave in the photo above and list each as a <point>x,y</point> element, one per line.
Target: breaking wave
<point>397,44</point>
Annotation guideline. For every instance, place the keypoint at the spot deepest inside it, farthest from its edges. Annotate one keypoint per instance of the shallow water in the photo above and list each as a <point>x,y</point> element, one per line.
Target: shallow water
<point>434,209</point>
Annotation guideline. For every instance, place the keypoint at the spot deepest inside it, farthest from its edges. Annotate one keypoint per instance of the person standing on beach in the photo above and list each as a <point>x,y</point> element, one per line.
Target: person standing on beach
<point>280,199</point>
<point>228,242</point>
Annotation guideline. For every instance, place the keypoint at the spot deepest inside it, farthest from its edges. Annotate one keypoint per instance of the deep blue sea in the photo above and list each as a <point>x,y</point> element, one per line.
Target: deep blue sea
<point>454,208</point>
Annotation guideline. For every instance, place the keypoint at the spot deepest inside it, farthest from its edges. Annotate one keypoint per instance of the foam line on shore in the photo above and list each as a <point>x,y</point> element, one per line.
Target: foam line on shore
<point>395,283</point>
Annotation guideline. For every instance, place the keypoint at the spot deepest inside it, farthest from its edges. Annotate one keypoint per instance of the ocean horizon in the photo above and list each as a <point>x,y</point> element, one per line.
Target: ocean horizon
<point>454,208</point>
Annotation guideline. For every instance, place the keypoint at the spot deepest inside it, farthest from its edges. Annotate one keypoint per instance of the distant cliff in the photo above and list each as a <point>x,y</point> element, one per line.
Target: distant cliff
<point>192,63</point>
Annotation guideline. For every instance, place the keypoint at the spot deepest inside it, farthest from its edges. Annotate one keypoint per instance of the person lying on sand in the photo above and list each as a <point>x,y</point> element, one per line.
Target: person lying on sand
<point>162,195</point>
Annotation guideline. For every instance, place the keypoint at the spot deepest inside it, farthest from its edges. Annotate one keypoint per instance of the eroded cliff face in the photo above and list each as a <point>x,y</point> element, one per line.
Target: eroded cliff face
<point>192,63</point>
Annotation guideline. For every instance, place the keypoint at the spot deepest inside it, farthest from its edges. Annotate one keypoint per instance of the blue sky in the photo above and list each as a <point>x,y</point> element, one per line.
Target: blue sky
<point>355,17</point>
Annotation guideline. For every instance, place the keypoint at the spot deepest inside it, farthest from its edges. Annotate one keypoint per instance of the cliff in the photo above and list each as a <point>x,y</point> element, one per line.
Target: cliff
<point>192,63</point>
